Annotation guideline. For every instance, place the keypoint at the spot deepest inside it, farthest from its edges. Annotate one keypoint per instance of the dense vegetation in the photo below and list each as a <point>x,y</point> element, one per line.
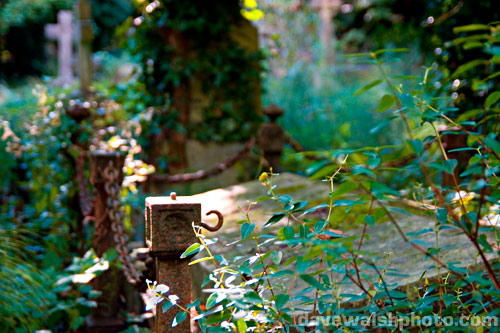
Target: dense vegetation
<point>385,136</point>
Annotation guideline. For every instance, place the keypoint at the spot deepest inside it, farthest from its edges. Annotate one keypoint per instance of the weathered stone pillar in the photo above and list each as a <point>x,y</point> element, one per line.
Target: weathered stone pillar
<point>106,316</point>
<point>272,138</point>
<point>169,233</point>
<point>85,45</point>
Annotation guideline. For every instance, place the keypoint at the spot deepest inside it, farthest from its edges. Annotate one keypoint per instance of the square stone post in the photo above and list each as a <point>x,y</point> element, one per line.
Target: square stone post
<point>106,316</point>
<point>169,233</point>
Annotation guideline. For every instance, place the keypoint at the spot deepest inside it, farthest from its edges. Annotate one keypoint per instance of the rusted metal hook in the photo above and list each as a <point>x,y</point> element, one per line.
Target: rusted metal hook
<point>219,223</point>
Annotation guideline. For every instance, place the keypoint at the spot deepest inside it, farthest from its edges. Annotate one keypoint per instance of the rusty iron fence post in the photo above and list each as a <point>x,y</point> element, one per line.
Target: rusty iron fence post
<point>272,138</point>
<point>169,233</point>
<point>106,316</point>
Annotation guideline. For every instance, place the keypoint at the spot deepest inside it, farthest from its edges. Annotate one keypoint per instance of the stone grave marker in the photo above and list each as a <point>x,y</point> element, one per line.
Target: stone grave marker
<point>63,33</point>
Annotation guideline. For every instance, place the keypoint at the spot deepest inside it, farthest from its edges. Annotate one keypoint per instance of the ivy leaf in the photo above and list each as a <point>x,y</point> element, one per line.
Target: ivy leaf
<point>386,102</point>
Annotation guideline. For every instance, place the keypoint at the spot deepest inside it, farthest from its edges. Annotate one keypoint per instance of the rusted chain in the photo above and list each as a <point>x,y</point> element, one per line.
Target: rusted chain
<point>202,174</point>
<point>299,148</point>
<point>115,213</point>
<point>294,143</point>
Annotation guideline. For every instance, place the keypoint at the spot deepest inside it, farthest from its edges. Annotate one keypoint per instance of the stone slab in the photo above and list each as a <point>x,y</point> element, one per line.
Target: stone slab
<point>405,264</point>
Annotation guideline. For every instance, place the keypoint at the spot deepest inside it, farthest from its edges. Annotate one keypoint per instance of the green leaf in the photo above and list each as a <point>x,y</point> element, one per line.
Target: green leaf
<point>274,219</point>
<point>179,318</point>
<point>301,265</point>
<point>313,252</point>
<point>417,145</point>
<point>165,306</point>
<point>446,166</point>
<point>369,220</point>
<point>199,260</point>
<point>380,189</point>
<point>193,304</point>
<point>241,325</point>
<point>289,233</point>
<point>368,87</point>
<point>468,66</point>
<point>492,99</point>
<point>263,198</point>
<point>324,172</point>
<point>316,166</point>
<point>211,300</point>
<point>281,300</point>
<point>276,257</point>
<point>252,297</point>
<point>246,230</point>
<point>344,188</point>
<point>492,76</point>
<point>471,27</point>
<point>312,281</point>
<point>491,142</point>
<point>442,215</point>
<point>195,248</point>
<point>386,102</point>
<point>397,50</point>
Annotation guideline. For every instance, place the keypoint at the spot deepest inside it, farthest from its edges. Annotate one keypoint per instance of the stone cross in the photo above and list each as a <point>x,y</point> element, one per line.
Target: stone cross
<point>327,10</point>
<point>63,33</point>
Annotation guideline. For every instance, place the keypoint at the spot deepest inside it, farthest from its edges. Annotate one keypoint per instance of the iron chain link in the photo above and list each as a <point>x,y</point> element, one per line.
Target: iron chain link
<point>116,215</point>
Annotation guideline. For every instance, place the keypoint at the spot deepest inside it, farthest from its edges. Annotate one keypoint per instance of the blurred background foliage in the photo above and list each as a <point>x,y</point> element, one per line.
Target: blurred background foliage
<point>24,20</point>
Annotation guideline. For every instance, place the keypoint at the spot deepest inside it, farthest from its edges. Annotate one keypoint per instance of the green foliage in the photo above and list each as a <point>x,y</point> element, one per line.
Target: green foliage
<point>24,12</point>
<point>40,194</point>
<point>254,290</point>
<point>182,42</point>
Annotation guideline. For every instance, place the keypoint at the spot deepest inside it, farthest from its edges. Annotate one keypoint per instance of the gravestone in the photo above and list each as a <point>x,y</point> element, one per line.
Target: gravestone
<point>63,33</point>
<point>409,263</point>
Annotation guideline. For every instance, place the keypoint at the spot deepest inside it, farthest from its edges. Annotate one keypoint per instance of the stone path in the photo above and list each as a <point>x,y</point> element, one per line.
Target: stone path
<point>406,264</point>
